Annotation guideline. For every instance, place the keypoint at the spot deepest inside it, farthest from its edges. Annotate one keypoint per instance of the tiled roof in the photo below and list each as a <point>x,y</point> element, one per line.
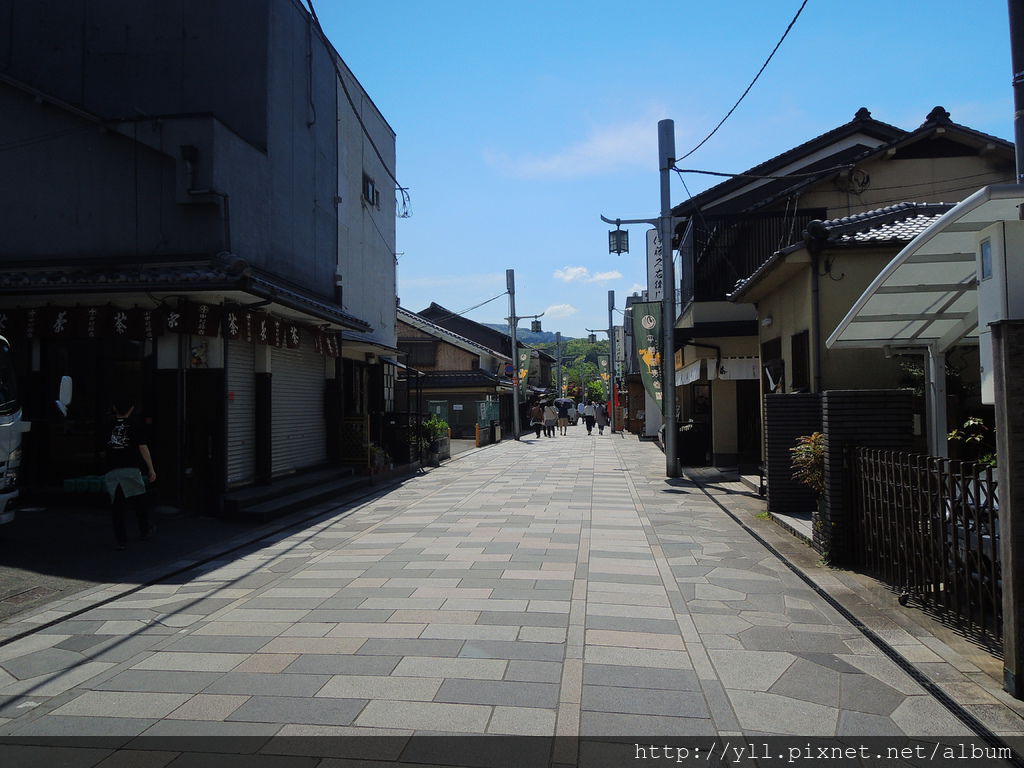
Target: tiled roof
<point>895,223</point>
<point>862,122</point>
<point>418,321</point>
<point>203,276</point>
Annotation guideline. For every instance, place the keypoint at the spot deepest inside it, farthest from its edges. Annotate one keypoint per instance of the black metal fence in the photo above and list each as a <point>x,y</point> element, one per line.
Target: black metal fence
<point>931,527</point>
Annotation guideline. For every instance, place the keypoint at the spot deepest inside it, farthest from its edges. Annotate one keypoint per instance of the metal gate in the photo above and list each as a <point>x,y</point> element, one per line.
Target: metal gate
<point>241,417</point>
<point>298,426</point>
<point>931,527</point>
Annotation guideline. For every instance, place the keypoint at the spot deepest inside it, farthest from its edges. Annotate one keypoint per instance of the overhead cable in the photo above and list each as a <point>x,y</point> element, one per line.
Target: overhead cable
<point>744,94</point>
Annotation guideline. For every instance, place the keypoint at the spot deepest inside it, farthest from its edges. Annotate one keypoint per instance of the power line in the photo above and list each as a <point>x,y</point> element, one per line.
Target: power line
<point>352,104</point>
<point>744,94</point>
<point>811,174</point>
<point>464,311</point>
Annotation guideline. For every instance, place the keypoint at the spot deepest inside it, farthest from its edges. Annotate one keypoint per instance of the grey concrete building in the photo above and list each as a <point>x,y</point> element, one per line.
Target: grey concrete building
<point>199,212</point>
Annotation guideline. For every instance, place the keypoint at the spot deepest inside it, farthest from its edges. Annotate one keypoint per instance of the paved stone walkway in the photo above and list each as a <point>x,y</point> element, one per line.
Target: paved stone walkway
<point>553,586</point>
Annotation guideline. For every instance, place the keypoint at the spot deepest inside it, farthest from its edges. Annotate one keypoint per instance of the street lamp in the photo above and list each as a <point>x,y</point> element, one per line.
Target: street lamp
<point>513,321</point>
<point>665,224</point>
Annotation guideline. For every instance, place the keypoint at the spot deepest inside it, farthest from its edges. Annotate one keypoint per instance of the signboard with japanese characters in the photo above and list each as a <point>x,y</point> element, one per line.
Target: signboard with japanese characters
<point>655,267</point>
<point>647,333</point>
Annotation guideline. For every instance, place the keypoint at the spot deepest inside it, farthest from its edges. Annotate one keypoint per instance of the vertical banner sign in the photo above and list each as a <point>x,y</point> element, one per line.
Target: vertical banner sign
<point>619,363</point>
<point>655,267</point>
<point>604,370</point>
<point>524,368</point>
<point>647,334</point>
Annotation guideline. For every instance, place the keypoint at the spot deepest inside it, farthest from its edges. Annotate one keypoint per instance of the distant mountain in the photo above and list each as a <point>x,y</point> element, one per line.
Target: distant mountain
<point>527,336</point>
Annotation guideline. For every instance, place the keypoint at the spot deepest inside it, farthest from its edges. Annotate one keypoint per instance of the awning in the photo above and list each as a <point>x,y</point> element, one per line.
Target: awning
<point>689,374</point>
<point>737,368</point>
<point>926,296</point>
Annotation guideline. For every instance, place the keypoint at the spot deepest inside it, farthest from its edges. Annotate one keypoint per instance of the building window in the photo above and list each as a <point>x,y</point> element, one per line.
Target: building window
<point>773,368</point>
<point>370,192</point>
<point>800,361</point>
<point>986,259</point>
<point>420,353</point>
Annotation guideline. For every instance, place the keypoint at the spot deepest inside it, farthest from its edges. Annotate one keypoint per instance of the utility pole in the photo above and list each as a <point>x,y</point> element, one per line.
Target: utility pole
<point>613,390</point>
<point>666,162</point>
<point>510,282</point>
<point>513,322</point>
<point>665,224</point>
<point>558,355</point>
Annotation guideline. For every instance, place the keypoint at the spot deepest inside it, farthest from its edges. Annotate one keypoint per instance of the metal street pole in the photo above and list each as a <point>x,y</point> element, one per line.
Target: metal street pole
<point>510,282</point>
<point>612,390</point>
<point>666,161</point>
<point>558,355</point>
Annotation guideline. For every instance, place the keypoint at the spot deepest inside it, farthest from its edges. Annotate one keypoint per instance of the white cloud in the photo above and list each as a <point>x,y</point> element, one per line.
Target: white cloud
<point>637,288</point>
<point>560,310</point>
<point>568,274</point>
<point>571,274</point>
<point>606,148</point>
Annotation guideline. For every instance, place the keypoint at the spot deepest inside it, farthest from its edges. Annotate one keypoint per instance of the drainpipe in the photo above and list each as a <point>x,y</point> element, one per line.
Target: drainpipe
<point>1016,9</point>
<point>815,238</point>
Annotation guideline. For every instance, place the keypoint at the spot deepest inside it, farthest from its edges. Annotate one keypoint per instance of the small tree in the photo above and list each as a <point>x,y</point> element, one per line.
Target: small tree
<point>808,461</point>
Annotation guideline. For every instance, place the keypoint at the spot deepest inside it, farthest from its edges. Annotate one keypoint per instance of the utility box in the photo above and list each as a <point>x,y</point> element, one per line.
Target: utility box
<point>1000,270</point>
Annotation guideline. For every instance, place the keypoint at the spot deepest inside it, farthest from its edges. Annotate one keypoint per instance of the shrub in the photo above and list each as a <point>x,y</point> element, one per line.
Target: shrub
<point>435,428</point>
<point>808,461</point>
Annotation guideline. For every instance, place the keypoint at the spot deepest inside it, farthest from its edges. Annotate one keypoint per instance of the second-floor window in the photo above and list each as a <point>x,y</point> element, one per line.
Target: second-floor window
<point>371,195</point>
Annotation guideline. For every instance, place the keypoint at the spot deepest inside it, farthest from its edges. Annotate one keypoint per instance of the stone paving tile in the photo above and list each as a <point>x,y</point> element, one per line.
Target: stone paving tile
<point>208,706</point>
<point>381,687</point>
<point>56,683</point>
<point>643,701</point>
<point>291,709</point>
<point>416,647</point>
<point>640,677</point>
<point>259,684</point>
<point>122,704</point>
<point>107,731</point>
<point>500,649</point>
<point>472,669</point>
<point>628,639</point>
<point>425,716</point>
<point>313,645</point>
<point>157,681</point>
<point>523,721</point>
<point>604,724</point>
<point>191,662</point>
<point>503,693</point>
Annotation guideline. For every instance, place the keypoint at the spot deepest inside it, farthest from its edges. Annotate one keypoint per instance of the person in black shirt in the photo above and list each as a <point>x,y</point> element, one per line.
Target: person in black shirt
<point>126,445</point>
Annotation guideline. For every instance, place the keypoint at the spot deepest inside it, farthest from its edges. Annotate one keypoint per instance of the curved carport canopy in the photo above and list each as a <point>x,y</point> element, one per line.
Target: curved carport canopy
<point>926,298</point>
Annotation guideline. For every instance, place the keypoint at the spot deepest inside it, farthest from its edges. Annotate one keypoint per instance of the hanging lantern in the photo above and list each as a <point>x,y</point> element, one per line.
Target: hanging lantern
<point>592,338</point>
<point>535,326</point>
<point>618,241</point>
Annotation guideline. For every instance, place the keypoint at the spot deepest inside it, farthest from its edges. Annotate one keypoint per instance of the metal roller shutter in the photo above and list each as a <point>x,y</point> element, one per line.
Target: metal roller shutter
<point>241,438</point>
<point>297,422</point>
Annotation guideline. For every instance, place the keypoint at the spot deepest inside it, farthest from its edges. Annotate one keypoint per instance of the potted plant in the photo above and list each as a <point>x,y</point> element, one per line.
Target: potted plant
<point>435,431</point>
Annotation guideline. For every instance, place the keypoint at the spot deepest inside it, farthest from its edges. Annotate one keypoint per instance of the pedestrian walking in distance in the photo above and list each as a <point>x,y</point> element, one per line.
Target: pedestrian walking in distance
<point>127,448</point>
<point>537,418</point>
<point>601,417</point>
<point>550,418</point>
<point>563,407</point>
<point>589,415</point>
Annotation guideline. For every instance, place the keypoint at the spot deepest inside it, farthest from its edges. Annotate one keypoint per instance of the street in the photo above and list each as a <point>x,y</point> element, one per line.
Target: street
<point>551,587</point>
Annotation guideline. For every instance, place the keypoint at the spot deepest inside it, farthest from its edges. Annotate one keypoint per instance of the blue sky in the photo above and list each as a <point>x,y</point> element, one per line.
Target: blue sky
<point>518,124</point>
